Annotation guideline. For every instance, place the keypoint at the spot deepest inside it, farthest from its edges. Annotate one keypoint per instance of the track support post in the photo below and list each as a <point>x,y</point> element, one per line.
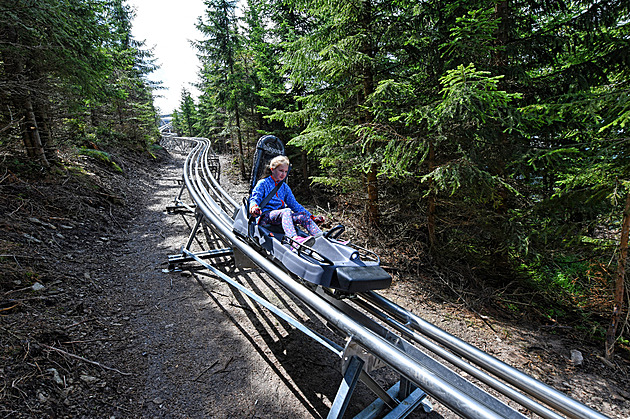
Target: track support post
<point>349,382</point>
<point>193,232</point>
<point>174,260</point>
<point>179,206</point>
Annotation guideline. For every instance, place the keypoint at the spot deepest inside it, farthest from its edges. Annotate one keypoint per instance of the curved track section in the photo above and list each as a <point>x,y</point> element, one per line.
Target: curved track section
<point>387,332</point>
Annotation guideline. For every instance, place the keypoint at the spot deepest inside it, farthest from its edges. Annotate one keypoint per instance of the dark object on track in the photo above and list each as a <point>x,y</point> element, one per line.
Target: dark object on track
<point>328,262</point>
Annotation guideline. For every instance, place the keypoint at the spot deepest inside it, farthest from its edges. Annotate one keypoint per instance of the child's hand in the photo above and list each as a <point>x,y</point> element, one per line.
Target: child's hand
<point>255,210</point>
<point>319,219</point>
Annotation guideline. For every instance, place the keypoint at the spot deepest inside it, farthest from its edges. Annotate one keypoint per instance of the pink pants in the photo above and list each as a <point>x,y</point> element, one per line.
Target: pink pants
<point>287,218</point>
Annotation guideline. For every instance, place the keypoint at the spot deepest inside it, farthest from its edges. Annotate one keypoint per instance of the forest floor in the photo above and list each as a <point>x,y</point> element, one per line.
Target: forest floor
<point>91,326</point>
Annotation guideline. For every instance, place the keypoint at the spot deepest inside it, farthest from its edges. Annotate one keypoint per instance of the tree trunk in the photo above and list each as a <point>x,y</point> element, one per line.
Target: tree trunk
<point>372,190</point>
<point>305,170</point>
<point>502,13</point>
<point>368,49</point>
<point>241,159</point>
<point>25,127</point>
<point>14,67</point>
<point>43,124</point>
<point>30,135</point>
<point>611,334</point>
<point>431,199</point>
<point>372,180</point>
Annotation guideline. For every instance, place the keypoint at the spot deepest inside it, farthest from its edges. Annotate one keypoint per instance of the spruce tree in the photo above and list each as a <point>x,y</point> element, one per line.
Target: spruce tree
<point>221,71</point>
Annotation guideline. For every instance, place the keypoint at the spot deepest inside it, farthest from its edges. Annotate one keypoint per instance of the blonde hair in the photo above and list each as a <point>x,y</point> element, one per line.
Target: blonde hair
<point>278,161</point>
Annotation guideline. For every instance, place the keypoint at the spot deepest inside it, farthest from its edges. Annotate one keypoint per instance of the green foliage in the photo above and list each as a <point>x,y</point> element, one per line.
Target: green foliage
<point>470,95</point>
<point>185,120</point>
<point>74,58</point>
<point>567,274</point>
<point>479,186</point>
<point>100,156</point>
<point>473,35</point>
<point>510,118</point>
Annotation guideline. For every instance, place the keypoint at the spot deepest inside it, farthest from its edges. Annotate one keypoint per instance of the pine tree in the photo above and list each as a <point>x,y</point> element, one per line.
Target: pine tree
<point>337,65</point>
<point>46,47</point>
<point>221,72</point>
<point>124,108</point>
<point>73,58</point>
<point>187,121</point>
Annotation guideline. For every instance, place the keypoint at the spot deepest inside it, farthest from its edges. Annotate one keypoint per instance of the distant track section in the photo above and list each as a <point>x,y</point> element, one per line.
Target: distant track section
<point>418,350</point>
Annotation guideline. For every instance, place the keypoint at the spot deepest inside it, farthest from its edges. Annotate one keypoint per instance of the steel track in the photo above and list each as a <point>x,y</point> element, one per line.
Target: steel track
<point>385,330</point>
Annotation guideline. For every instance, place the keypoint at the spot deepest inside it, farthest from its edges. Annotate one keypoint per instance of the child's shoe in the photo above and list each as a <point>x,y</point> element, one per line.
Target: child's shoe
<point>304,241</point>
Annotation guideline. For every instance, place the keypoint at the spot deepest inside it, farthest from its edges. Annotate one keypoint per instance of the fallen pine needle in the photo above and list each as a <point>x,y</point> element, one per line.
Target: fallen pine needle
<point>10,308</point>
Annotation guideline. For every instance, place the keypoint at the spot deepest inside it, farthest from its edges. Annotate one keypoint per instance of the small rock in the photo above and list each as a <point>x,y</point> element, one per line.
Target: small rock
<point>31,238</point>
<point>158,400</point>
<point>67,391</point>
<point>88,379</point>
<point>37,286</point>
<point>41,223</point>
<point>576,357</point>
<point>43,398</point>
<point>56,377</point>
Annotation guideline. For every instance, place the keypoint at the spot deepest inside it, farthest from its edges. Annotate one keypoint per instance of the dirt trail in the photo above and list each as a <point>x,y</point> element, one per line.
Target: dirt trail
<point>197,347</point>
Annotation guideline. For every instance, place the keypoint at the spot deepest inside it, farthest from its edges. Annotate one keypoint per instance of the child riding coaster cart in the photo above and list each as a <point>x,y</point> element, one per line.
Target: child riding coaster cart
<point>266,219</point>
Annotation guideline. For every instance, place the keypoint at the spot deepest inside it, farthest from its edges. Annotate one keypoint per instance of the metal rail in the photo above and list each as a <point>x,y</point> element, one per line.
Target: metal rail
<point>384,329</point>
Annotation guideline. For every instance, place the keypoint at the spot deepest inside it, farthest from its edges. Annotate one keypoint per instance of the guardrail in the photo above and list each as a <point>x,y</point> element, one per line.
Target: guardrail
<point>388,332</point>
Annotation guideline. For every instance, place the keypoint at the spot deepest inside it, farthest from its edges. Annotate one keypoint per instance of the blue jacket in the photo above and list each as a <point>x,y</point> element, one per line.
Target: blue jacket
<point>283,198</point>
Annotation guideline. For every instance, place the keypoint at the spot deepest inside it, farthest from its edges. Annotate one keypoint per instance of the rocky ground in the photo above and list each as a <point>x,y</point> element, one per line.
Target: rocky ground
<point>91,326</point>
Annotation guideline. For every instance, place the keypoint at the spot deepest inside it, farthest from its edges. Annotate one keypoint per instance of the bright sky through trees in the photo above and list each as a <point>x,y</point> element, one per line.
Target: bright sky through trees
<point>168,26</point>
